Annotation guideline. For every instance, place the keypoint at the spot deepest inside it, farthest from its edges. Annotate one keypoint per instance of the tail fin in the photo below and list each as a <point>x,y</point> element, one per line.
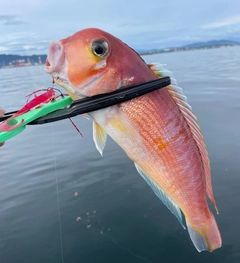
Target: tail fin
<point>205,236</point>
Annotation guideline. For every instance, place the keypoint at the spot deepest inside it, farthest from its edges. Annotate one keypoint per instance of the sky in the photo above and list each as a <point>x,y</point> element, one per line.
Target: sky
<point>27,27</point>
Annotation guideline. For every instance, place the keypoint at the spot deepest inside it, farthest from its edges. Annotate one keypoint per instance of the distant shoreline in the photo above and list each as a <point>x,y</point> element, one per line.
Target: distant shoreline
<point>18,61</point>
<point>25,66</point>
<point>181,49</point>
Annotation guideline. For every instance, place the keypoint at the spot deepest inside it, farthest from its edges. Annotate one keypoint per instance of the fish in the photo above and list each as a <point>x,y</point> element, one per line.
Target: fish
<point>158,131</point>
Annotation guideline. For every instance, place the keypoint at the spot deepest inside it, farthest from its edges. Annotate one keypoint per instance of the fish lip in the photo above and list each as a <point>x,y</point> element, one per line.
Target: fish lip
<point>82,90</point>
<point>64,83</point>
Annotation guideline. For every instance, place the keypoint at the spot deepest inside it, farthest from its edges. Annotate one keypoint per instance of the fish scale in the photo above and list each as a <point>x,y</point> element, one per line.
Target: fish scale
<point>165,156</point>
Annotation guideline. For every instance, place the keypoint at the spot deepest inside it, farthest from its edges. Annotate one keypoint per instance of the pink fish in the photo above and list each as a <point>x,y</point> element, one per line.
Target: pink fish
<point>158,131</point>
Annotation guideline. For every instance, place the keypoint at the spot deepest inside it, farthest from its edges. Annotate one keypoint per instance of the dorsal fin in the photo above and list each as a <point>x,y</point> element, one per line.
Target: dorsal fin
<point>177,95</point>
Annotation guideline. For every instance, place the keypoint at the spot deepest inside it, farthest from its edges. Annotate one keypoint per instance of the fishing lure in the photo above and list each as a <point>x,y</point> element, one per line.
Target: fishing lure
<point>40,105</point>
<point>12,124</point>
<point>50,106</point>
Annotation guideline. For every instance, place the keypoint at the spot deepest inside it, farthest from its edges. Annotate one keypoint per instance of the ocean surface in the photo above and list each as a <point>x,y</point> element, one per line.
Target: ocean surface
<point>60,201</point>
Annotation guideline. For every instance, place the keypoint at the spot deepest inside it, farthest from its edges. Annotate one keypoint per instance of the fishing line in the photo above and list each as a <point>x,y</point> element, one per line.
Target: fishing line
<point>57,191</point>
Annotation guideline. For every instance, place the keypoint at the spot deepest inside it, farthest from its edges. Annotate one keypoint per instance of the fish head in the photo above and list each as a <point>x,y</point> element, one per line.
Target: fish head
<point>92,62</point>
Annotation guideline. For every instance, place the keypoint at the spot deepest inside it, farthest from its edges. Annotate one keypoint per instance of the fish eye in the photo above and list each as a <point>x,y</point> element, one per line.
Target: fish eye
<point>100,48</point>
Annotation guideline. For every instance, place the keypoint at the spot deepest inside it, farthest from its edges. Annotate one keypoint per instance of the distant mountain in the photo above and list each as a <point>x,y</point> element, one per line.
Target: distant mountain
<point>198,45</point>
<point>6,60</point>
<point>222,42</point>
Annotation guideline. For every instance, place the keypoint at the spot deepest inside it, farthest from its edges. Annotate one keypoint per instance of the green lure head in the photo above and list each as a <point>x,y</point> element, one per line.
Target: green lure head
<point>17,123</point>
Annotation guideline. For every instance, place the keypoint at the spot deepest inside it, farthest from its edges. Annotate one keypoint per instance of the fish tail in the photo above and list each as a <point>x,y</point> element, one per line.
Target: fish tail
<point>205,236</point>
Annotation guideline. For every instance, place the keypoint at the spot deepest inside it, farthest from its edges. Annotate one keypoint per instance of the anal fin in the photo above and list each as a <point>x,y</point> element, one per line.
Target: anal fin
<point>161,194</point>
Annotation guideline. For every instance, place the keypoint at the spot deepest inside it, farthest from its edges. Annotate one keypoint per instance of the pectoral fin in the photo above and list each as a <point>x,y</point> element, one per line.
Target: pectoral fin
<point>99,137</point>
<point>168,202</point>
<point>123,124</point>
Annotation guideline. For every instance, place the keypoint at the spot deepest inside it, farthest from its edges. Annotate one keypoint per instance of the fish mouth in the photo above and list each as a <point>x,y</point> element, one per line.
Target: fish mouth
<point>56,66</point>
<point>56,57</point>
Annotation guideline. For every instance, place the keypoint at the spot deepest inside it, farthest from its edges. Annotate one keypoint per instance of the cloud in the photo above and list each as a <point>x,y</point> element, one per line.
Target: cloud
<point>227,22</point>
<point>13,22</point>
<point>3,49</point>
<point>6,17</point>
<point>171,23</point>
<point>8,20</point>
<point>24,43</point>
